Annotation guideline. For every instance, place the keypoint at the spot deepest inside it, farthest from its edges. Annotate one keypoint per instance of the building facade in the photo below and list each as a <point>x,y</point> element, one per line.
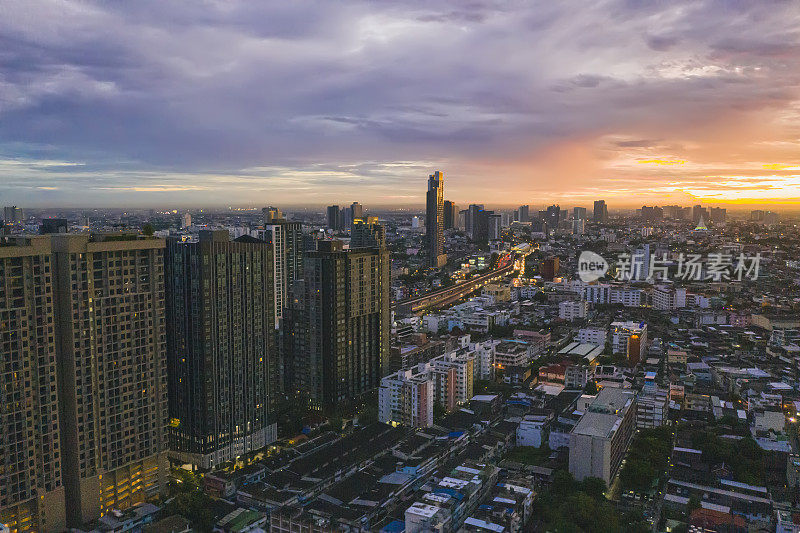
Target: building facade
<point>111,328</point>
<point>629,338</point>
<point>222,353</point>
<point>601,437</point>
<point>600,214</point>
<point>31,489</point>
<point>434,220</point>
<point>341,324</point>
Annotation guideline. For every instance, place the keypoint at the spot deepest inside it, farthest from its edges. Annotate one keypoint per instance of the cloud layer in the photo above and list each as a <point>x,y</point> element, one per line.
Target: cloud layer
<point>250,102</point>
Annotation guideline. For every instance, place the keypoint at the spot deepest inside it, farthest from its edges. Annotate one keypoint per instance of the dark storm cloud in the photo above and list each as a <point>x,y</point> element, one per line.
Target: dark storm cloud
<point>178,92</point>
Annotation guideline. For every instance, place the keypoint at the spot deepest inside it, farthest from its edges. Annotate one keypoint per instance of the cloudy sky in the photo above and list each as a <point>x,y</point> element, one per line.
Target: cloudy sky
<point>249,102</point>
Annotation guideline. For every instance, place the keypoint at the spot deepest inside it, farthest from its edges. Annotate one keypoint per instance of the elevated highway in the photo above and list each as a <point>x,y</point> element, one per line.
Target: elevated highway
<point>447,296</point>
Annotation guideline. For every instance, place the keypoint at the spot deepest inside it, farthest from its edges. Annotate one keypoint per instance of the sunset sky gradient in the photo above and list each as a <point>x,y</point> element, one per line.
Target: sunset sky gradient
<point>190,103</point>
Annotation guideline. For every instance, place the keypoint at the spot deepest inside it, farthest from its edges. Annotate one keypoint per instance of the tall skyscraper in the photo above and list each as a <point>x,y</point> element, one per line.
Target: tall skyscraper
<point>698,212</point>
<point>477,222</point>
<point>287,240</point>
<point>271,213</point>
<point>579,213</point>
<point>13,215</point>
<point>340,324</point>
<point>718,214</point>
<point>222,353</point>
<point>524,213</point>
<point>450,215</point>
<point>346,216</point>
<point>31,489</point>
<point>356,210</point>
<point>368,234</point>
<point>652,213</point>
<point>494,227</point>
<point>111,332</point>
<point>553,216</point>
<point>600,213</point>
<point>334,218</point>
<point>434,220</point>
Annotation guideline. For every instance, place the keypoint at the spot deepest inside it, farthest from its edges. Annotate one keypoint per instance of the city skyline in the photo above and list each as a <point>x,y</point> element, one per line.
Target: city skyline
<point>153,104</point>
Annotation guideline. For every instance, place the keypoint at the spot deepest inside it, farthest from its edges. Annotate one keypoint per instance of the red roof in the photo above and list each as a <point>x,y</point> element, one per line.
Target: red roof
<point>710,519</point>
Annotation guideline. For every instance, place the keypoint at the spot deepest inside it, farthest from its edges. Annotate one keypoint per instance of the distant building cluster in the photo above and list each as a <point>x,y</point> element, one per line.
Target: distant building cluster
<point>417,371</point>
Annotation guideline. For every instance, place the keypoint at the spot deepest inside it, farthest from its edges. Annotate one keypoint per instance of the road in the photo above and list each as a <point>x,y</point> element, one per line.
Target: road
<point>444,297</point>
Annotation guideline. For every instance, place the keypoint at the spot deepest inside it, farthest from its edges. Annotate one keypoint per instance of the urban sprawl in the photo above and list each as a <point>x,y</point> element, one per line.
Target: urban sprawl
<point>447,370</point>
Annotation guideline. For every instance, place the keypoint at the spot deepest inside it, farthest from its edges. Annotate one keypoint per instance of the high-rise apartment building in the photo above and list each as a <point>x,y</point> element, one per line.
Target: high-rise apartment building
<point>111,352</point>
<point>553,216</point>
<point>699,212</point>
<point>450,215</point>
<point>652,213</point>
<point>629,338</point>
<point>13,215</point>
<point>222,349</point>
<point>31,490</point>
<point>598,442</point>
<point>334,218</point>
<point>287,242</point>
<point>477,221</point>
<point>549,268</point>
<point>494,228</point>
<point>357,211</point>
<point>600,213</point>
<point>368,234</point>
<point>471,219</point>
<point>271,213</point>
<point>718,214</point>
<point>524,213</point>
<point>346,216</point>
<point>579,213</point>
<point>434,220</point>
<point>340,324</point>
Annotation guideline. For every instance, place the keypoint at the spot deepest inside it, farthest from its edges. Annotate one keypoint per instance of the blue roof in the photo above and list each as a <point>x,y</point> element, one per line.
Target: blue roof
<point>398,526</point>
<point>450,492</point>
<point>518,402</point>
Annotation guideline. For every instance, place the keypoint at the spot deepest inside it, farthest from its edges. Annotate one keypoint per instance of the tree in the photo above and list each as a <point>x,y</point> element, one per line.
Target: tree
<point>694,503</point>
<point>438,411</point>
<point>148,229</point>
<point>637,476</point>
<point>196,507</point>
<point>563,483</point>
<point>594,487</point>
<point>591,388</point>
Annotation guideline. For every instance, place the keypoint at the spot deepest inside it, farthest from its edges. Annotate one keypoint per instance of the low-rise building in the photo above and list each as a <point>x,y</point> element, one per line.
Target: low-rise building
<point>513,353</point>
<point>652,408</point>
<point>407,397</point>
<point>533,428</point>
<point>629,338</point>
<point>554,373</point>
<point>668,298</point>
<point>423,517</point>
<point>592,335</point>
<point>600,439</point>
<point>577,376</point>
<point>573,309</point>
